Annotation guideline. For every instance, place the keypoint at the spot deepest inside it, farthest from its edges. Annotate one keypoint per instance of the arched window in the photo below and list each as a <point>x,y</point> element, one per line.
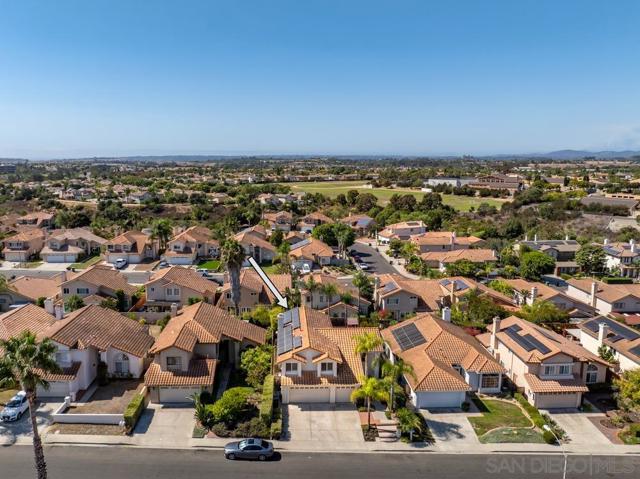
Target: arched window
<point>592,374</point>
<point>122,364</point>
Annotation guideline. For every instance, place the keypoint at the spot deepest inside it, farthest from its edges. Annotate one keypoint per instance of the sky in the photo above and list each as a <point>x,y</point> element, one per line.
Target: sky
<point>136,77</point>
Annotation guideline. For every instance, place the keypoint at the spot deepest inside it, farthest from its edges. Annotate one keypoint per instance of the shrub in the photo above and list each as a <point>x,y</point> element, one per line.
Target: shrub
<point>133,411</point>
<point>533,413</point>
<point>253,428</point>
<point>549,438</point>
<point>276,429</point>
<point>206,397</point>
<point>256,363</point>
<point>466,406</point>
<point>266,404</point>
<point>231,406</point>
<point>616,280</point>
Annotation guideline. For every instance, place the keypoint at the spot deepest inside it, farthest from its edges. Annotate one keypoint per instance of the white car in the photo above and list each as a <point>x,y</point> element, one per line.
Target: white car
<point>120,263</point>
<point>15,408</point>
<point>363,266</point>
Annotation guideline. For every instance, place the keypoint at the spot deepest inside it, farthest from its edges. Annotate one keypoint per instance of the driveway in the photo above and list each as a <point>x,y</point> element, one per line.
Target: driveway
<point>165,425</point>
<point>20,431</point>
<point>451,429</point>
<point>579,428</point>
<point>324,425</point>
<point>375,261</point>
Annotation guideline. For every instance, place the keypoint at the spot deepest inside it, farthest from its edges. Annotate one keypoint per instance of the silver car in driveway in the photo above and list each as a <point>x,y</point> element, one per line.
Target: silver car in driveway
<point>249,449</point>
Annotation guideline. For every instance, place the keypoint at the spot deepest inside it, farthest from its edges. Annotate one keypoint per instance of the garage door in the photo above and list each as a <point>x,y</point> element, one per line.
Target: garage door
<point>55,258</point>
<point>308,395</point>
<point>343,394</point>
<point>180,260</point>
<point>177,395</point>
<point>554,401</point>
<point>439,399</point>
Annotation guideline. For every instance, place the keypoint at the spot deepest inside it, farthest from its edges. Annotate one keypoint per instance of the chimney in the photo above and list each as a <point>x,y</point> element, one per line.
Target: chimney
<point>534,294</point>
<point>606,241</point>
<point>49,307</point>
<point>535,238</point>
<point>59,312</point>
<point>446,314</point>
<point>452,297</point>
<point>376,287</point>
<point>594,290</point>
<point>603,332</point>
<point>526,237</point>
<point>174,310</point>
<point>566,237</point>
<point>495,329</point>
<point>632,244</point>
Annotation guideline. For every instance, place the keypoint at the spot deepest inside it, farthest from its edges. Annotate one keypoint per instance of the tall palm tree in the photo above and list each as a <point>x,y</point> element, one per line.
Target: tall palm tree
<point>162,230</point>
<point>365,343</point>
<point>232,255</point>
<point>371,389</point>
<point>25,362</point>
<point>360,281</point>
<point>283,254</point>
<point>330,290</point>
<point>392,373</point>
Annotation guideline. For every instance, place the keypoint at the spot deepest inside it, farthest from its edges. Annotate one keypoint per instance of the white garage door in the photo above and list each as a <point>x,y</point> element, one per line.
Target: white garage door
<point>343,394</point>
<point>554,401</point>
<point>55,258</point>
<point>308,395</point>
<point>439,399</point>
<point>179,260</point>
<point>177,395</point>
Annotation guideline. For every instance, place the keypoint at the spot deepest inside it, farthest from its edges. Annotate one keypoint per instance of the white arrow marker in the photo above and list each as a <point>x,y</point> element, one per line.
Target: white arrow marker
<point>282,301</point>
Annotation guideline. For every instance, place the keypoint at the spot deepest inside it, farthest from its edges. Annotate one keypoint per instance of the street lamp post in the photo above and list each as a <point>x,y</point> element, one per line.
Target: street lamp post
<point>546,427</point>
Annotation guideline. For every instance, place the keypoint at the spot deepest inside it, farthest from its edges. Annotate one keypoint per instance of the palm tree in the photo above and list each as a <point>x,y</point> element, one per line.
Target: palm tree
<point>371,389</point>
<point>365,343</point>
<point>25,362</point>
<point>343,235</point>
<point>330,290</point>
<point>161,230</point>
<point>232,255</point>
<point>283,253</point>
<point>408,422</point>
<point>360,281</point>
<point>392,373</point>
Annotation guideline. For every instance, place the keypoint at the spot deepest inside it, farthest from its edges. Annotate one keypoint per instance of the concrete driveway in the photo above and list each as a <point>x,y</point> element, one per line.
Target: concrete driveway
<point>165,425</point>
<point>578,427</point>
<point>19,432</point>
<point>450,428</point>
<point>324,425</point>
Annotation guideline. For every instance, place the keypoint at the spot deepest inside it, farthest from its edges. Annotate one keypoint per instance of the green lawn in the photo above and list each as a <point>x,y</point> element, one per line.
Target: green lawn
<point>497,414</point>
<point>30,264</point>
<point>87,262</point>
<point>270,269</point>
<point>212,264</point>
<point>7,394</point>
<point>334,188</point>
<point>509,435</point>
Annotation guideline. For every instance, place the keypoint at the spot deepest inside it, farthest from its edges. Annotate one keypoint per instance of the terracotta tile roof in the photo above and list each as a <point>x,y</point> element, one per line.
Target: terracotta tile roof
<point>538,385</point>
<point>68,373</point>
<point>106,277</point>
<point>474,255</point>
<point>205,323</point>
<point>137,239</point>
<point>343,285</point>
<point>249,280</point>
<point>427,290</point>
<point>34,288</point>
<point>101,328</point>
<point>444,238</point>
<point>607,292</point>
<point>316,216</point>
<point>445,345</point>
<point>76,234</point>
<point>278,217</point>
<point>201,372</point>
<point>28,317</point>
<point>25,235</point>
<point>311,249</point>
<point>249,238</point>
<point>197,234</point>
<point>185,277</point>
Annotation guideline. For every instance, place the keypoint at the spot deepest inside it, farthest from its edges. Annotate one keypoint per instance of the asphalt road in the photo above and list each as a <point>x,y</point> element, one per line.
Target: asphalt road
<point>16,462</point>
<point>368,255</point>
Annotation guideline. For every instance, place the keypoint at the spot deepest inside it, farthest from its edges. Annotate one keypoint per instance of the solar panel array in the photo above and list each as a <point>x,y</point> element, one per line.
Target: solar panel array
<point>460,285</point>
<point>287,322</point>
<point>527,342</point>
<point>390,286</point>
<point>408,336</point>
<point>618,330</point>
<point>300,244</point>
<point>635,350</point>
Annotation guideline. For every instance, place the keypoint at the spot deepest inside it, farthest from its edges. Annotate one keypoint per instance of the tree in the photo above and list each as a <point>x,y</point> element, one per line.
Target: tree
<point>607,353</point>
<point>544,312</point>
<point>628,390</point>
<point>366,202</point>
<point>392,372</point>
<point>26,361</point>
<point>408,422</point>
<point>73,303</point>
<point>283,253</point>
<point>277,237</point>
<point>363,283</point>
<point>232,256</point>
<point>371,389</point>
<point>365,343</point>
<point>256,363</point>
<point>534,264</point>
<point>591,259</point>
<point>462,267</point>
<point>161,230</point>
<point>345,237</point>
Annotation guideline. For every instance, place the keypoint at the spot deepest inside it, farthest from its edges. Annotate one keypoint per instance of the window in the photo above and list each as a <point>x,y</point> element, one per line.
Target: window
<point>458,368</point>
<point>326,368</point>
<point>490,381</point>
<point>62,357</point>
<point>174,363</point>
<point>122,364</point>
<point>564,369</point>
<point>618,305</point>
<point>291,368</point>
<point>65,291</point>
<point>549,370</point>
<point>592,374</point>
<point>82,290</point>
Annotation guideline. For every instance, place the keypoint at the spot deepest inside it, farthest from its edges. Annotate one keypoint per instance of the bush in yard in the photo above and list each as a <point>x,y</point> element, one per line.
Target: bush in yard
<point>133,411</point>
<point>231,406</point>
<point>549,438</point>
<point>206,397</point>
<point>256,363</point>
<point>533,413</point>
<point>266,404</point>
<point>276,429</point>
<point>253,428</point>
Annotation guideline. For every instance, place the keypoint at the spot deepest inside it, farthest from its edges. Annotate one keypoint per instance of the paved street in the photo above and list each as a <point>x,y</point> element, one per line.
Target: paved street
<point>368,255</point>
<point>131,463</point>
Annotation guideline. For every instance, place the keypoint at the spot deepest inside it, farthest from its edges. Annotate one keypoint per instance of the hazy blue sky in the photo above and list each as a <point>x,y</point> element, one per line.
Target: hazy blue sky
<point>92,77</point>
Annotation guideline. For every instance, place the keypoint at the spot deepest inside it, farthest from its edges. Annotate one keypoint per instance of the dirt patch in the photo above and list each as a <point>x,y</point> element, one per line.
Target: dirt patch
<point>89,429</point>
<point>110,399</point>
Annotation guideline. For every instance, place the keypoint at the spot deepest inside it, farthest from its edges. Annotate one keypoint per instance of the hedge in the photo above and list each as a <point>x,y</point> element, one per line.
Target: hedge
<point>533,412</point>
<point>266,404</point>
<point>276,429</point>
<point>616,280</point>
<point>133,411</point>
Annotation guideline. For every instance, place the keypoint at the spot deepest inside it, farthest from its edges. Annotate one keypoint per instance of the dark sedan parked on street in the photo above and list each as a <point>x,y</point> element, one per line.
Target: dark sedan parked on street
<point>249,449</point>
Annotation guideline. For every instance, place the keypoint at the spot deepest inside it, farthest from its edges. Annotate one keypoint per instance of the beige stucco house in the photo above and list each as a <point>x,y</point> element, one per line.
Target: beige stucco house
<point>176,285</point>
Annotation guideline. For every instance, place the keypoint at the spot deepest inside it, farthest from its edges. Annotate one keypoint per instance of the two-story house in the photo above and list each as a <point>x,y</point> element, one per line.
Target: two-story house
<point>317,362</point>
<point>401,231</point>
<point>552,370</point>
<point>98,280</point>
<point>189,347</point>
<point>605,298</point>
<point>190,245</point>
<point>176,285</point>
<point>28,317</point>
<point>90,336</point>
<point>334,296</point>
<point>447,362</point>
<point>30,289</point>
<point>310,221</point>
<point>253,291</point>
<point>280,220</point>
<point>442,259</point>
<point>132,246</point>
<point>363,225</point>
<point>23,246</point>
<point>440,241</point>
<point>622,340</point>
<point>310,252</point>
<point>256,245</point>
<point>624,257</point>
<point>38,219</point>
<point>70,245</point>
<point>562,251</point>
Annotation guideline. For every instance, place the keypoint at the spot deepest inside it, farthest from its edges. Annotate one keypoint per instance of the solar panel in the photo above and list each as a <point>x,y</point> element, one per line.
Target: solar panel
<point>460,285</point>
<point>515,327</point>
<point>389,287</point>
<point>635,350</point>
<point>536,343</point>
<point>614,327</point>
<point>518,339</point>
<point>408,336</point>
<point>445,282</point>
